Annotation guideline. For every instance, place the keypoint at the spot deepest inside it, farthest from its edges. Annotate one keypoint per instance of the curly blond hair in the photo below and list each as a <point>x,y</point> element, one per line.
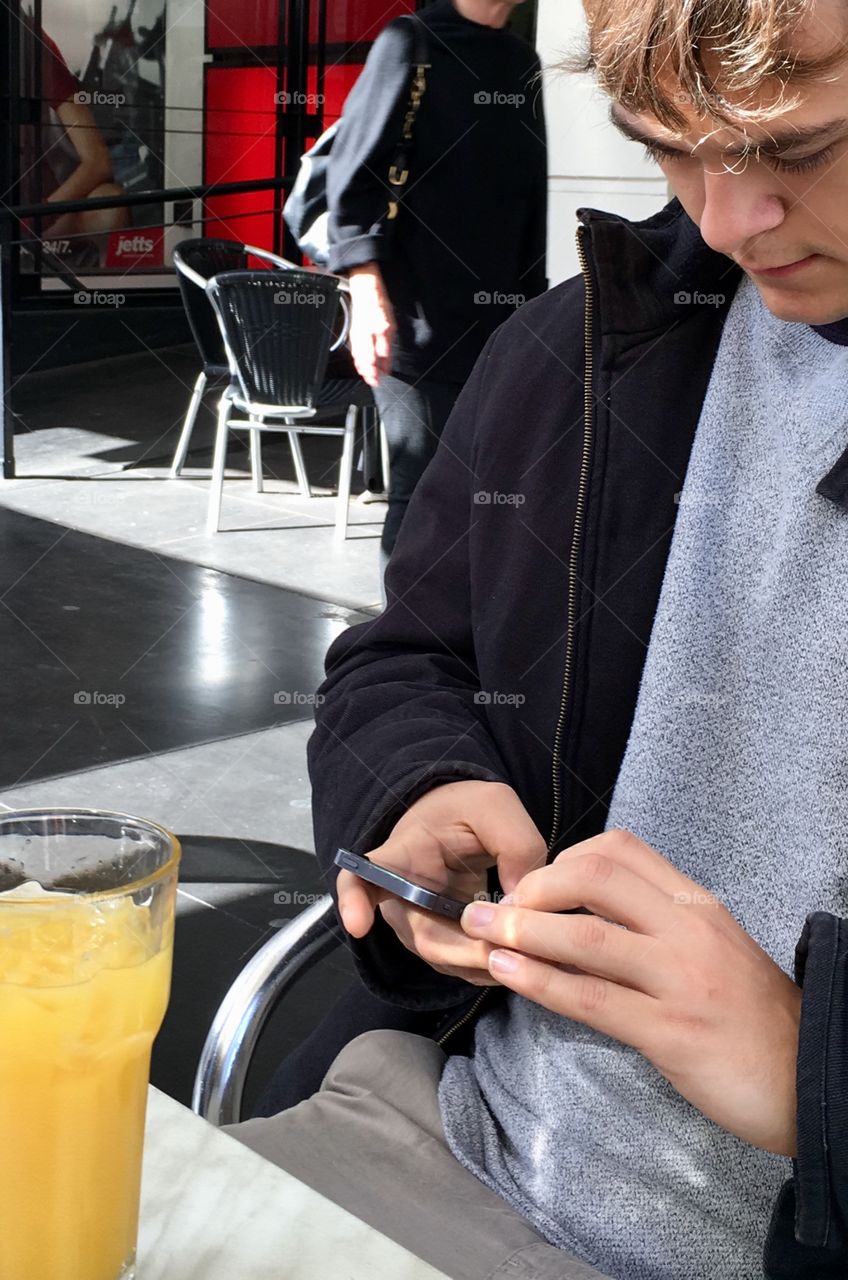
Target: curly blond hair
<point>648,55</point>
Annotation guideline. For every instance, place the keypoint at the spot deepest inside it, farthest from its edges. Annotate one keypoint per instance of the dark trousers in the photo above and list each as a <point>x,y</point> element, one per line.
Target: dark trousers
<point>414,412</point>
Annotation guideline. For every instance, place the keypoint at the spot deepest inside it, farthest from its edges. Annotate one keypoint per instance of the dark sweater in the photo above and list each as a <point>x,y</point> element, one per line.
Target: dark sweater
<point>472,222</point>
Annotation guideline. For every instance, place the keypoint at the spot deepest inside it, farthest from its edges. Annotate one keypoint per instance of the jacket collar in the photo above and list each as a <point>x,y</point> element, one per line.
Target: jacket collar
<point>653,273</point>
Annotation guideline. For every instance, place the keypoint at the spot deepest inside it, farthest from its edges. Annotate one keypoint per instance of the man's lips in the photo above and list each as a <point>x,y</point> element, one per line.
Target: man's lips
<point>776,273</point>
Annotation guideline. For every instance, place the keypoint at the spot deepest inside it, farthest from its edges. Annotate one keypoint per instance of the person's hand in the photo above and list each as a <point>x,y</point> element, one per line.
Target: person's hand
<point>682,981</point>
<point>450,836</point>
<point>372,324</point>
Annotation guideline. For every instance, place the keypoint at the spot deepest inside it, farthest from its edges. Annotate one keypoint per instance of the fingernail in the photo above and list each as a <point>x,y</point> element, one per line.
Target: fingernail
<point>503,961</point>
<point>478,914</point>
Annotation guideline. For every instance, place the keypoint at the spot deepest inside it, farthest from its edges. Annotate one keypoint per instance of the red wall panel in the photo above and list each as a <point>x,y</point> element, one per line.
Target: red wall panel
<point>232,23</point>
<point>240,145</point>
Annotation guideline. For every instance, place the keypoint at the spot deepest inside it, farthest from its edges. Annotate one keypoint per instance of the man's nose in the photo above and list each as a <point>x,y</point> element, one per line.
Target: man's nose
<point>738,207</point>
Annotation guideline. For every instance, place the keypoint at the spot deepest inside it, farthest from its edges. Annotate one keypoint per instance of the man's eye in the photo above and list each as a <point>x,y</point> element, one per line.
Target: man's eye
<point>664,154</point>
<point>802,166</point>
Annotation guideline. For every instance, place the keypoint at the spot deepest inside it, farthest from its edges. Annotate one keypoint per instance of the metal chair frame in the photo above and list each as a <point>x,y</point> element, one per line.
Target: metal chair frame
<point>245,1009</point>
<point>291,419</point>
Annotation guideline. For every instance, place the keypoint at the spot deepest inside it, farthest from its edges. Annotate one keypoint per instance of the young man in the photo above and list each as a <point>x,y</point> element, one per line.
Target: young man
<point>616,644</point>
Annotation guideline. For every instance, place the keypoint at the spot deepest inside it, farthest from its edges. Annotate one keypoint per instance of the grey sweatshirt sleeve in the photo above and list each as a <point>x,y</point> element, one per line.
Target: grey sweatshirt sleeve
<point>365,146</point>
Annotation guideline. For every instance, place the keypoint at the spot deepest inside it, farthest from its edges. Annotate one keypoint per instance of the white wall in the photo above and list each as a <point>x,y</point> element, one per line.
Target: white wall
<point>184,63</point>
<point>589,163</point>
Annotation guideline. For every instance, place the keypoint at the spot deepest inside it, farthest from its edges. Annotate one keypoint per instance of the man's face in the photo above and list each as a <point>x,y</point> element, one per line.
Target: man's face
<point>781,209</point>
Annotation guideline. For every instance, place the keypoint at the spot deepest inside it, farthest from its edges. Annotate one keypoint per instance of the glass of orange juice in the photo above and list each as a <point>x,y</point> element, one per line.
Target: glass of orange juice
<point>86,939</point>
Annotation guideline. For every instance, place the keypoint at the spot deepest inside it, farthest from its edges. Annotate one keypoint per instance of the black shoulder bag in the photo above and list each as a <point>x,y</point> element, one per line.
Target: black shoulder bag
<point>305,212</point>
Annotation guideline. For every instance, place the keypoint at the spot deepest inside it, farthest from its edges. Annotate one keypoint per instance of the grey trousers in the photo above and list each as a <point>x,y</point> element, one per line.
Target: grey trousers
<point>372,1141</point>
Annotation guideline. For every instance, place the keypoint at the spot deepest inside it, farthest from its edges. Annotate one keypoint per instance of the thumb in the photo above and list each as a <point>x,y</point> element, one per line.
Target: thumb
<point>510,836</point>
<point>356,904</point>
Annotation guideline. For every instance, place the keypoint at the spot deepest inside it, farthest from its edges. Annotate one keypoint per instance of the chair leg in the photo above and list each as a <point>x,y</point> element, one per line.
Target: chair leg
<point>346,474</point>
<point>188,426</point>
<point>256,459</point>
<point>299,466</point>
<point>384,455</point>
<point>219,462</point>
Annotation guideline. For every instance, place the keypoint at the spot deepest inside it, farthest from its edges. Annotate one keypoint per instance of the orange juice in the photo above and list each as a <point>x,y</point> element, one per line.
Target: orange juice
<point>83,990</point>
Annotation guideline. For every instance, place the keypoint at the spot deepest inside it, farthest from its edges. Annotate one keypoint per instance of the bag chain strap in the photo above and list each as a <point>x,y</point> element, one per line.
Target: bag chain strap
<point>398,176</point>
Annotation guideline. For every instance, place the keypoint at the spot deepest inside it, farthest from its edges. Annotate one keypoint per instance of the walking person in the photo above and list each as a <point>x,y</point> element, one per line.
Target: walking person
<point>430,286</point>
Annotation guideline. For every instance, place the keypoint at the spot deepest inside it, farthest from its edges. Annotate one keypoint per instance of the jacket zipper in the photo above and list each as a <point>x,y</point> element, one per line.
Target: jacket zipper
<point>579,519</point>
<point>577,534</point>
<point>466,1017</point>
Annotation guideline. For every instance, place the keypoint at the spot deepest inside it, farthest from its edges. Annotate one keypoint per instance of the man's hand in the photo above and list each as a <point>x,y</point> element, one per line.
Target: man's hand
<point>450,836</point>
<point>372,323</point>
<point>682,982</point>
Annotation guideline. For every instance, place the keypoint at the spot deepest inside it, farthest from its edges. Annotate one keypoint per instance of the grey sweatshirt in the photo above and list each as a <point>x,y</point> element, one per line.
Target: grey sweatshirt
<point>737,771</point>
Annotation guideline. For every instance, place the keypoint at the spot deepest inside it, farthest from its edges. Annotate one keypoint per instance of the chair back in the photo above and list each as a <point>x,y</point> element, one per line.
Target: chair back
<point>196,261</point>
<point>278,327</point>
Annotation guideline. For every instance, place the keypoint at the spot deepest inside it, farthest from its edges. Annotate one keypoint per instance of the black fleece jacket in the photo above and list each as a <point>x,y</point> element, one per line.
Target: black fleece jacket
<point>469,241</point>
<point>584,405</point>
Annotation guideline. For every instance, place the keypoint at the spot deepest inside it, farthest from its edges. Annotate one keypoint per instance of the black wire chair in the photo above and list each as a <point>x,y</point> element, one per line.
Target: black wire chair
<point>196,262</point>
<point>278,329</point>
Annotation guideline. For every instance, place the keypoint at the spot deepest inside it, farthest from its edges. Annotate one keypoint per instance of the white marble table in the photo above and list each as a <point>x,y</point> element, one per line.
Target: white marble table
<point>212,1209</point>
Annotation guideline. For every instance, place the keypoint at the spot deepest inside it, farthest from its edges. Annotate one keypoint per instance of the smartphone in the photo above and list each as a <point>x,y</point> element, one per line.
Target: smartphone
<point>430,896</point>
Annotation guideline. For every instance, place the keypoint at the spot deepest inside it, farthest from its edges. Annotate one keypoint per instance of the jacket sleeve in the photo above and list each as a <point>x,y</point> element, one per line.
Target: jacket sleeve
<point>364,147</point>
<point>808,1238</point>
<point>534,279</point>
<point>396,714</point>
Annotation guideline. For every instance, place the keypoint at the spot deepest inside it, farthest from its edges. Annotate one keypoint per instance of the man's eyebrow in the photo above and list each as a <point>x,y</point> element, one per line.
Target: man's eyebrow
<point>776,143</point>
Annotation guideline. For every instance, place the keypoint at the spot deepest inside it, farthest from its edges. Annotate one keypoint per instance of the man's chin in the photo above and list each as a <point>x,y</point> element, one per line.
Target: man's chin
<point>804,306</point>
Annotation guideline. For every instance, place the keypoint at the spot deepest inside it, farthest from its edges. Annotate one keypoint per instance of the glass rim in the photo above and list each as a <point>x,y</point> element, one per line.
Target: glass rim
<point>99,895</point>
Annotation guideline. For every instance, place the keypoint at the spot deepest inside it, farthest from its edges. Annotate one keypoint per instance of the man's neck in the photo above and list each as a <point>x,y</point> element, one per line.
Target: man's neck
<point>486,13</point>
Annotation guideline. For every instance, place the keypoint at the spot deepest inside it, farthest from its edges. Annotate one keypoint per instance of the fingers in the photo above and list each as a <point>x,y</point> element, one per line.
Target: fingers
<point>585,943</point>
<point>363,358</point>
<point>440,942</point>
<point>383,351</point>
<point>598,881</point>
<point>357,903</point>
<point>628,850</point>
<point>508,833</point>
<point>628,1016</point>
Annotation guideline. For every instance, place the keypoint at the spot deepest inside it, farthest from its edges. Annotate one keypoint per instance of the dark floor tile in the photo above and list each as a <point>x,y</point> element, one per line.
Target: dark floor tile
<point>111,652</point>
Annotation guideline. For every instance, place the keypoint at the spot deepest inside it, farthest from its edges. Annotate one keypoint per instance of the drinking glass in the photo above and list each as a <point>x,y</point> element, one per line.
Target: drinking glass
<point>86,939</point>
